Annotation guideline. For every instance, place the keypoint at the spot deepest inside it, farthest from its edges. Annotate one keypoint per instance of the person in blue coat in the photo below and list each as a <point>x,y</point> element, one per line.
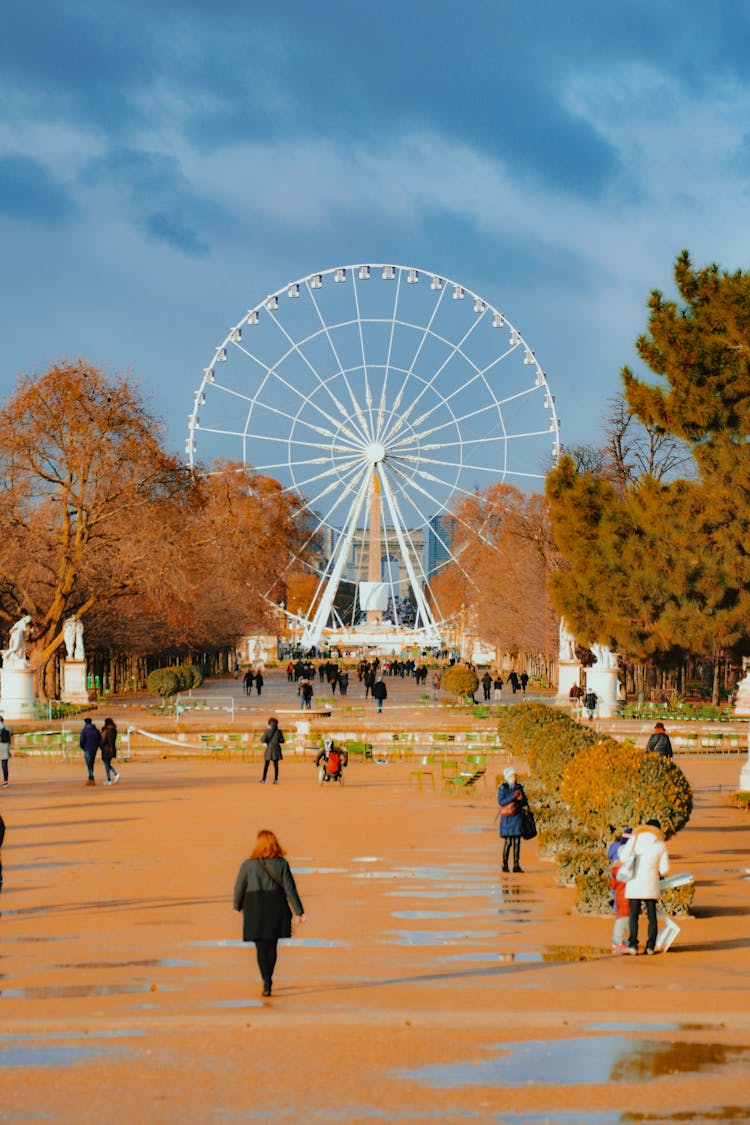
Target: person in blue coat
<point>511,799</point>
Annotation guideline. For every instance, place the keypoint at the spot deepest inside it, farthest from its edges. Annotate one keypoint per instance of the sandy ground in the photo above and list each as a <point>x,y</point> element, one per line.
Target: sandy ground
<point>425,986</point>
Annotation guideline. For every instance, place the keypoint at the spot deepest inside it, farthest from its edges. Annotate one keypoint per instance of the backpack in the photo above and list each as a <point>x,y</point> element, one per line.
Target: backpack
<point>4,734</point>
<point>333,762</point>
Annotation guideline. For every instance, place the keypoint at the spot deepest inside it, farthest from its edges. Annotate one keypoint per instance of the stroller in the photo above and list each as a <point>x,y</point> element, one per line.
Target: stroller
<point>330,762</point>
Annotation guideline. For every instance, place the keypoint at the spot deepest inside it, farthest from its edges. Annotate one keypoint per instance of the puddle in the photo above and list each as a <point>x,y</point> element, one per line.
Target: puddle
<point>619,1025</point>
<point>235,1004</point>
<point>37,937</point>
<point>308,943</point>
<point>578,1061</point>
<point>366,859</point>
<point>76,991</point>
<point>429,915</point>
<point>319,870</point>
<point>48,1056</point>
<point>439,937</point>
<point>149,963</point>
<point>108,1033</point>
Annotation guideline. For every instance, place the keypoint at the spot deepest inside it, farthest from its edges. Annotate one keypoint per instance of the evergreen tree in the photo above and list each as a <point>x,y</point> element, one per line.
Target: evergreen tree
<point>653,569</point>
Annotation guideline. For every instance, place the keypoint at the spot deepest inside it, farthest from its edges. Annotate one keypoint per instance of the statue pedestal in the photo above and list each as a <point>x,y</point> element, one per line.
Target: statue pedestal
<point>604,682</point>
<point>742,702</point>
<point>17,693</point>
<point>303,730</point>
<point>74,689</point>
<point>568,673</point>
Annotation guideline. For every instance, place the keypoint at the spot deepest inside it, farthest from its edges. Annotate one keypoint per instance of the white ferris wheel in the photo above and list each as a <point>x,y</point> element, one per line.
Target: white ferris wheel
<point>380,395</point>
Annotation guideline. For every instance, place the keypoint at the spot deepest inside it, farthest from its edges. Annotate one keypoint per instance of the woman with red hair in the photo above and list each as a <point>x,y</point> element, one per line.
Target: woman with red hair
<point>264,891</point>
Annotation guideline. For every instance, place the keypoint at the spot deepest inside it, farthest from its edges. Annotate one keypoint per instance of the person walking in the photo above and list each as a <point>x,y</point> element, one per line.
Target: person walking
<point>590,701</point>
<point>259,681</point>
<point>2,837</point>
<point>512,800</point>
<point>247,682</point>
<point>379,693</point>
<point>273,739</point>
<point>5,737</point>
<point>264,891</point>
<point>651,862</point>
<point>497,688</point>
<point>89,740</point>
<point>486,686</point>
<point>524,681</point>
<point>659,742</point>
<point>109,751</point>
<point>305,693</point>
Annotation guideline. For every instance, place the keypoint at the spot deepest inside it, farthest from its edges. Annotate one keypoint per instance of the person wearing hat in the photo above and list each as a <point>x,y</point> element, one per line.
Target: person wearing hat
<point>512,800</point>
<point>659,742</point>
<point>4,749</point>
<point>651,863</point>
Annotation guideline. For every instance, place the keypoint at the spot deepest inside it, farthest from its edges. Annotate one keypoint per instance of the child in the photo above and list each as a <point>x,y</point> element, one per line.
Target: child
<point>622,909</point>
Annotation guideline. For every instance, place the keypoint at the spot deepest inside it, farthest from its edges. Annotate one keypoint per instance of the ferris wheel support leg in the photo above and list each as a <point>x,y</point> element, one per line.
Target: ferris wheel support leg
<point>422,607</point>
<point>314,630</point>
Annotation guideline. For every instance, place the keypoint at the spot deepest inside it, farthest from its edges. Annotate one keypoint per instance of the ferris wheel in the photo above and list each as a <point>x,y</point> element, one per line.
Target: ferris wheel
<point>380,396</point>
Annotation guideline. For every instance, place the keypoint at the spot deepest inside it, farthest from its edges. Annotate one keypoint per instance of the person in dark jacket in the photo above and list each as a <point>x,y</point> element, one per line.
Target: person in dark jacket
<point>273,739</point>
<point>659,742</point>
<point>487,685</point>
<point>264,891</point>
<point>511,797</point>
<point>109,751</point>
<point>2,837</point>
<point>379,693</point>
<point>5,737</point>
<point>89,740</point>
<point>259,681</point>
<point>247,682</point>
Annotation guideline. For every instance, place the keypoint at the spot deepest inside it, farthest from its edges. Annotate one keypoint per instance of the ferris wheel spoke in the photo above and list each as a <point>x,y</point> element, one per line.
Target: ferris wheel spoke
<point>426,331</point>
<point>346,489</point>
<point>454,420</point>
<point>335,471</point>
<point>381,407</point>
<point>364,429</point>
<point>320,382</point>
<point>368,392</point>
<point>456,350</point>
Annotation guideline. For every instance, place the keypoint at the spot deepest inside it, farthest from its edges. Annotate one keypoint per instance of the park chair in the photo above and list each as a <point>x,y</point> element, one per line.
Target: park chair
<point>212,744</point>
<point>478,761</point>
<point>448,770</point>
<point>465,783</point>
<point>419,774</point>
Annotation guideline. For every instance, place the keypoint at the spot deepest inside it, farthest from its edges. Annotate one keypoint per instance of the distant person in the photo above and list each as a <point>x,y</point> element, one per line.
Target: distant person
<point>5,737</point>
<point>247,682</point>
<point>379,693</point>
<point>2,837</point>
<point>343,682</point>
<point>621,927</point>
<point>648,848</point>
<point>109,751</point>
<point>305,693</point>
<point>330,761</point>
<point>236,669</point>
<point>487,686</point>
<point>524,681</point>
<point>659,742</point>
<point>263,891</point>
<point>259,681</point>
<point>590,701</point>
<point>273,738</point>
<point>497,687</point>
<point>514,682</point>
<point>89,740</point>
<point>512,799</point>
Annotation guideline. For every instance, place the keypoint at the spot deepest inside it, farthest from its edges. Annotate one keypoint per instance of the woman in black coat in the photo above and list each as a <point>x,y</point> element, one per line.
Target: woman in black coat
<point>511,797</point>
<point>273,738</point>
<point>109,751</point>
<point>264,891</point>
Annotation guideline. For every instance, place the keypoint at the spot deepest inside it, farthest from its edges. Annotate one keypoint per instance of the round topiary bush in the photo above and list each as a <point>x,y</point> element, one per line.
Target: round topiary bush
<point>612,785</point>
<point>196,675</point>
<point>460,680</point>
<point>163,682</point>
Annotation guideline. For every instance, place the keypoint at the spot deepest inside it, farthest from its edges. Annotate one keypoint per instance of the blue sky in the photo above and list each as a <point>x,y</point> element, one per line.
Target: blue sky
<point>164,166</point>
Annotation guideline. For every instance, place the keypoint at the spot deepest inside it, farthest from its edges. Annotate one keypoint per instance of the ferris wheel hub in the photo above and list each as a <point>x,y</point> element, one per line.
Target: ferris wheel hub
<point>375,452</point>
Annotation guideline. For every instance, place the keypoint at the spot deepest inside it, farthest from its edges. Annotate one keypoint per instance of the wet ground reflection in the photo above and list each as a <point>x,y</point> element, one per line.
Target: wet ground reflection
<point>77,991</point>
<point>579,1061</point>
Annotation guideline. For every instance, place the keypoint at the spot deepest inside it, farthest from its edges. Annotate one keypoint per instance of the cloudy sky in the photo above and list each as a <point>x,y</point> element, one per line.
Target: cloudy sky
<point>163,166</point>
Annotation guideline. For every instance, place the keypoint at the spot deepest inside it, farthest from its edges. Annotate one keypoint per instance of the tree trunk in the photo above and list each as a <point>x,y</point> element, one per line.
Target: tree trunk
<point>715,689</point>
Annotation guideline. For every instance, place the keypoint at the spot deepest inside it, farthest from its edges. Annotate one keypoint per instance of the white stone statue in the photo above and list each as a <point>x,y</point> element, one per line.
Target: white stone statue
<point>604,658</point>
<point>567,650</point>
<point>14,656</point>
<point>73,637</point>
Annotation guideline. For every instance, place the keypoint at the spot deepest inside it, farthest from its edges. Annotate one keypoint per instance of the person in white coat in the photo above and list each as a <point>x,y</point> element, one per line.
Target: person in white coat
<point>649,850</point>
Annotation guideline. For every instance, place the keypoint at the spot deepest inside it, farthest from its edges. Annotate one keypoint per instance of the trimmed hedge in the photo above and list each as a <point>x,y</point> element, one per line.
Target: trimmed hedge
<point>180,677</point>
<point>612,785</point>
<point>459,680</point>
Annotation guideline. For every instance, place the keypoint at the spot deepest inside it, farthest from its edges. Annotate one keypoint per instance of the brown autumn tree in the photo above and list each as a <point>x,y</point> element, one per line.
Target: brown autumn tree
<point>504,550</point>
<point>84,473</point>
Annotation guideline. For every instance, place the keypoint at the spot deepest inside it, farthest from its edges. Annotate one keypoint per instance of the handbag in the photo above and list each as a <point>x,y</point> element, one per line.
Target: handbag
<point>510,809</point>
<point>528,824</point>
